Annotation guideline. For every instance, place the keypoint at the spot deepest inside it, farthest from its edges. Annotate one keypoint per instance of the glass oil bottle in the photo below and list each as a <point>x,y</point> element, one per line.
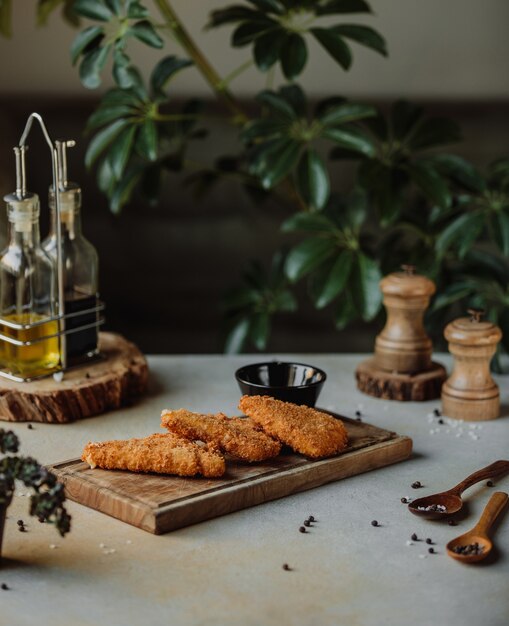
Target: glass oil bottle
<point>29,343</point>
<point>80,266</point>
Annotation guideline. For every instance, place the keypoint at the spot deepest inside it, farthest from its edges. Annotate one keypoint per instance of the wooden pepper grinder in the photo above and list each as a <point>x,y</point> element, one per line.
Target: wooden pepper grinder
<point>401,368</point>
<point>470,393</point>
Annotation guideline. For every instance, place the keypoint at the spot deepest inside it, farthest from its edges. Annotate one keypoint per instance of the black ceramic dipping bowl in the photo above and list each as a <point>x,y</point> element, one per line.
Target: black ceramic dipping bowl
<point>290,382</point>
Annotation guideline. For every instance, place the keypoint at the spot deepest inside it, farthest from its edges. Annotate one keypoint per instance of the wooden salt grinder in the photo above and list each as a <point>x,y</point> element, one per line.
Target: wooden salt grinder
<point>401,368</point>
<point>470,393</point>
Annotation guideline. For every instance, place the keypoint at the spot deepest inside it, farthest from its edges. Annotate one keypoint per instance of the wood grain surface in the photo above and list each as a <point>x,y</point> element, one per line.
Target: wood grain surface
<point>159,504</point>
<point>114,381</point>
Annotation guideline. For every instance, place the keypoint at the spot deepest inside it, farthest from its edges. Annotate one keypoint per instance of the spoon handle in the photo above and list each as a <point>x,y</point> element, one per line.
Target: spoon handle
<point>492,510</point>
<point>499,467</point>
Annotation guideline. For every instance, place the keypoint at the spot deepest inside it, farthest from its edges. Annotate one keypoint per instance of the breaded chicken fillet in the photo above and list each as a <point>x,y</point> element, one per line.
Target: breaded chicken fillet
<point>306,430</point>
<point>160,453</point>
<point>240,437</point>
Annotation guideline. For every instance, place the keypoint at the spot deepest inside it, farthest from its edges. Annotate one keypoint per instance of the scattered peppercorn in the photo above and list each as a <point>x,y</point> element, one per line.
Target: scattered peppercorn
<point>489,483</point>
<point>307,523</point>
<point>21,529</point>
<point>20,522</point>
<point>414,537</point>
<point>302,529</point>
<point>404,500</point>
<point>440,421</point>
<point>451,522</point>
<point>374,523</point>
<point>311,519</point>
<point>416,485</point>
<point>358,413</point>
<point>431,551</point>
<point>4,587</point>
<point>286,567</point>
<point>30,427</point>
<point>428,540</point>
<point>437,412</point>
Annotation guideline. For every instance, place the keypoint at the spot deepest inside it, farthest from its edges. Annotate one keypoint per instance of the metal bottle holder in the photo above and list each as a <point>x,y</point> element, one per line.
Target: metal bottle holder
<point>59,170</point>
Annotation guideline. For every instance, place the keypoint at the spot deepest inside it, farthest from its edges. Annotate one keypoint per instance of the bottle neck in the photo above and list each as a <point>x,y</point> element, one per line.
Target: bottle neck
<point>70,220</point>
<point>24,234</point>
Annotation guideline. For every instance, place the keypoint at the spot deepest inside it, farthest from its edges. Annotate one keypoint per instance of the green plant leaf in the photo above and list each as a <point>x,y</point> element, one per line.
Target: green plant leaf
<point>263,129</point>
<point>93,9</point>
<point>237,336</point>
<point>307,256</point>
<point>145,32</point>
<point>279,163</point>
<point>248,32</point>
<point>267,49</point>
<point>105,178</point>
<point>347,112</point>
<point>259,330</point>
<point>451,294</point>
<point>404,118</point>
<point>346,311</point>
<point>124,188</point>
<point>295,97</point>
<point>146,140</point>
<point>431,183</point>
<point>119,97</point>
<point>91,66</point>
<point>294,54</point>
<point>364,35</point>
<point>307,222</point>
<point>334,45</point>
<point>332,282</point>
<point>353,139</point>
<point>115,6</point>
<point>367,294</point>
<point>278,105</point>
<point>164,71</point>
<point>135,11</point>
<point>120,151</point>
<point>234,14</point>
<point>312,180</point>
<point>459,170</point>
<point>434,132</point>
<point>271,6</point>
<point>102,140</point>
<point>46,7</point>
<point>104,115</point>
<point>458,232</point>
<point>343,6</point>
<point>502,219</point>
<point>87,37</point>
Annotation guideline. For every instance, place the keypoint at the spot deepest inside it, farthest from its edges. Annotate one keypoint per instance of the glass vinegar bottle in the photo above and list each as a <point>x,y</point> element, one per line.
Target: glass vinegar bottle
<point>80,273</point>
<point>27,292</point>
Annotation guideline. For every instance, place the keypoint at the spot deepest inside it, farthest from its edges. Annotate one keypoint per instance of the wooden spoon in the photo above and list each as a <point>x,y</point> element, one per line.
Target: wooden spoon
<point>478,534</point>
<point>451,499</point>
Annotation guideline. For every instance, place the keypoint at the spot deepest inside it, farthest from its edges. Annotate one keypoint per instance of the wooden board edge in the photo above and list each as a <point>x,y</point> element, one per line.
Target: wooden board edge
<point>212,505</point>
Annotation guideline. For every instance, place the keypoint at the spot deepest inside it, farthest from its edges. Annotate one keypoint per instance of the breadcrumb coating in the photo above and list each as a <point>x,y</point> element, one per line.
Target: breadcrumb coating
<point>240,437</point>
<point>305,430</point>
<point>160,453</point>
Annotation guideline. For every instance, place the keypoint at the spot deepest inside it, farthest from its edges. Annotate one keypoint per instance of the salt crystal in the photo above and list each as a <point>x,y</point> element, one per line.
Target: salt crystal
<point>58,377</point>
<point>111,551</point>
<point>447,431</point>
<point>472,426</point>
<point>360,407</point>
<point>432,432</point>
<point>128,541</point>
<point>475,437</point>
<point>52,546</point>
<point>409,543</point>
<point>102,545</point>
<point>458,434</point>
<point>430,415</point>
<point>385,408</point>
<point>422,556</point>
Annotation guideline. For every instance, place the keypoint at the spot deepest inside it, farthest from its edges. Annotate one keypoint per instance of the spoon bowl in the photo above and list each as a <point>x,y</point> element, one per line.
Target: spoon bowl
<point>424,507</point>
<point>451,499</point>
<point>478,536</point>
<point>484,543</point>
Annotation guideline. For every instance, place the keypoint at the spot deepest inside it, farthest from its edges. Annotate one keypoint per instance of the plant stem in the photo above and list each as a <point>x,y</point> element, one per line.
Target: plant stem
<point>237,72</point>
<point>209,73</point>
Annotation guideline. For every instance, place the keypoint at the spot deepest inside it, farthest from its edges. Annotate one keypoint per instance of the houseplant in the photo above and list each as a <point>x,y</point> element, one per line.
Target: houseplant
<point>48,497</point>
<point>411,201</point>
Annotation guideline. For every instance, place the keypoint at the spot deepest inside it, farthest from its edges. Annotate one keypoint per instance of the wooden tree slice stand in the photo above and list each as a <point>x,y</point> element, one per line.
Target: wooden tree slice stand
<point>401,368</point>
<point>399,386</point>
<point>110,383</point>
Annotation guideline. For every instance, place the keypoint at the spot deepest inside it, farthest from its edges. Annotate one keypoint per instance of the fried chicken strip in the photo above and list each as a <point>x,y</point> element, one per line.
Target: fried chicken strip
<point>305,430</point>
<point>160,453</point>
<point>240,437</point>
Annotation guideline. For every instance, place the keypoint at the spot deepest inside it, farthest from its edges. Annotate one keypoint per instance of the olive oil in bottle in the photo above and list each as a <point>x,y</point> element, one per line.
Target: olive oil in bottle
<point>27,288</point>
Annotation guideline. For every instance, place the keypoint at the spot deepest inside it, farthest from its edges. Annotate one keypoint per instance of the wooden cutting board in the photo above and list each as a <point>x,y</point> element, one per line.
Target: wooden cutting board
<point>160,504</point>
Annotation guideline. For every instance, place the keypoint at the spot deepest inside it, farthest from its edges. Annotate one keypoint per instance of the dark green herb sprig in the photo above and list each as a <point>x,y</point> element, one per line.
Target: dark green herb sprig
<point>47,501</point>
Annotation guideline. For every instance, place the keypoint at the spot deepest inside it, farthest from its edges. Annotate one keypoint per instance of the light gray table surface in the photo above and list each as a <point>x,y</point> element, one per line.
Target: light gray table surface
<point>229,570</point>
